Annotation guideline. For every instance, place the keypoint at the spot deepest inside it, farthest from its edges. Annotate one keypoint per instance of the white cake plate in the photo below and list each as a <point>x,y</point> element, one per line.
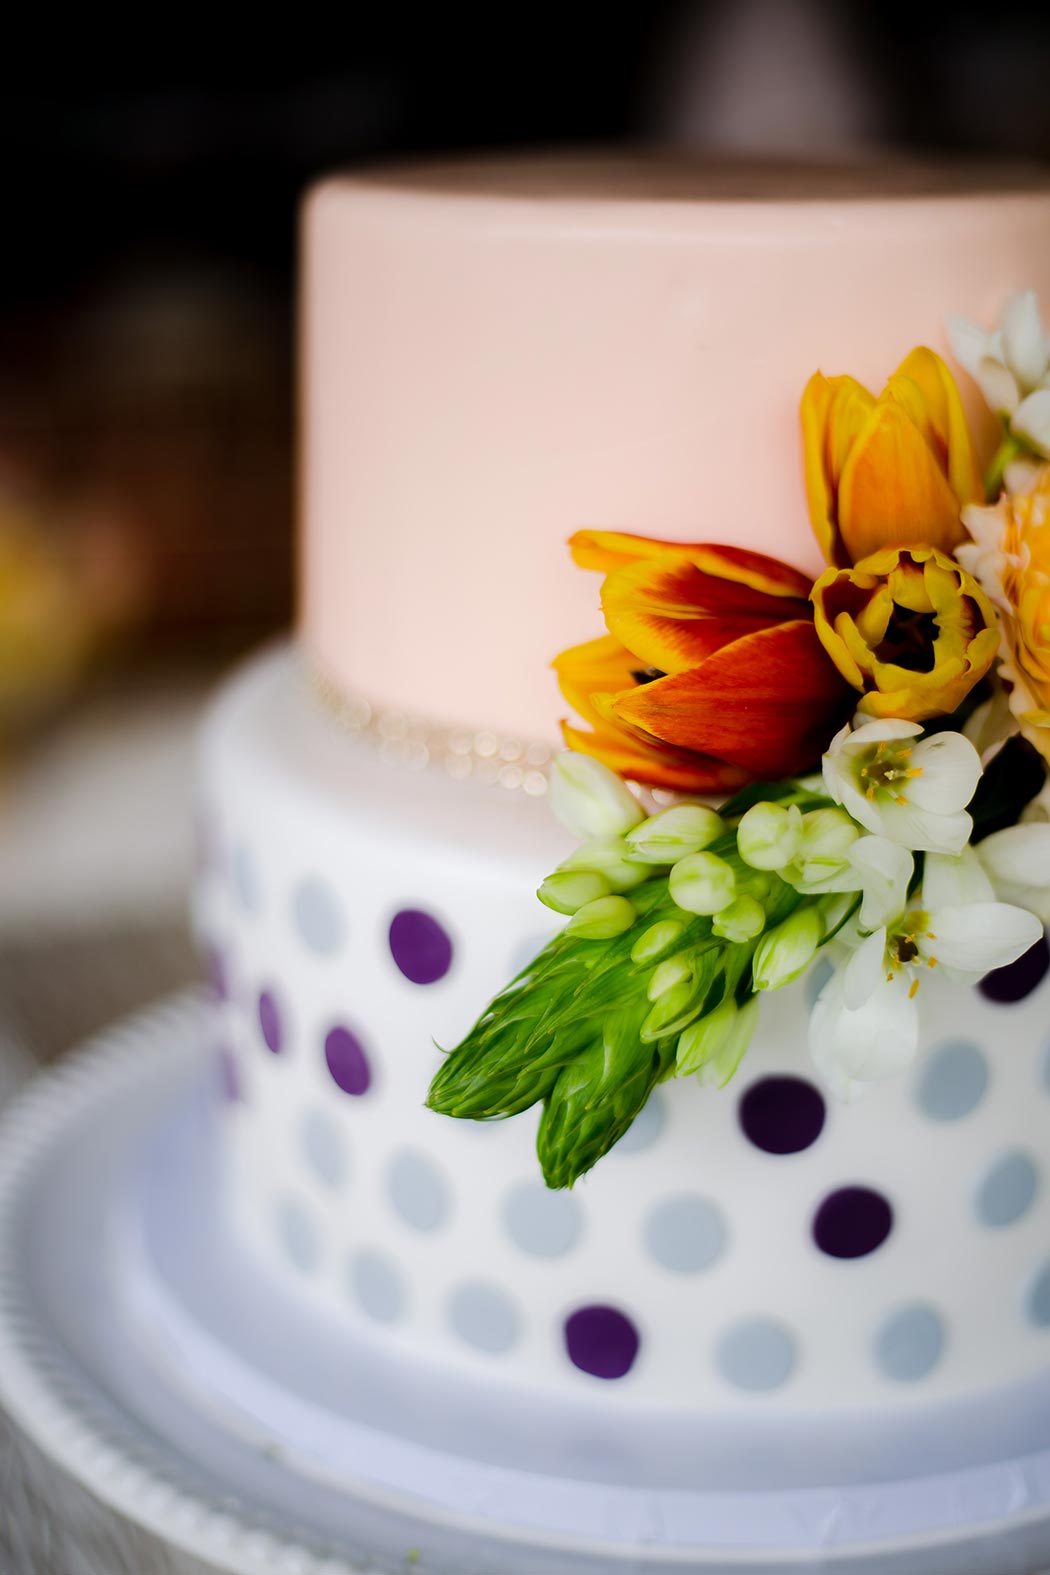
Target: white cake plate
<point>149,1359</point>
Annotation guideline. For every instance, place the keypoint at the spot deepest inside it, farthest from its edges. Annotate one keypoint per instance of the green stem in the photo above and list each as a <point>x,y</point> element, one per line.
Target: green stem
<point>1009,449</point>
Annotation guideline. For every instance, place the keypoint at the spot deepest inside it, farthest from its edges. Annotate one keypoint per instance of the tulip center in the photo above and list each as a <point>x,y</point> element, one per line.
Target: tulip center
<point>647,675</point>
<point>909,640</point>
<point>887,769</point>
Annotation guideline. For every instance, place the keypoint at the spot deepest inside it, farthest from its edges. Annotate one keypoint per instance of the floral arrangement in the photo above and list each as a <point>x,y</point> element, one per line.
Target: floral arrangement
<point>855,766</point>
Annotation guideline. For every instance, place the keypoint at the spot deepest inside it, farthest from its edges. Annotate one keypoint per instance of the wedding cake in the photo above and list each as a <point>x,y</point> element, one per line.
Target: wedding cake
<point>779,1028</point>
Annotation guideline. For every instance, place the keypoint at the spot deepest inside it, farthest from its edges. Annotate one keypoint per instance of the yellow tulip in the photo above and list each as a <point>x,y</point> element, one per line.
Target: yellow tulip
<point>896,470</point>
<point>908,628</point>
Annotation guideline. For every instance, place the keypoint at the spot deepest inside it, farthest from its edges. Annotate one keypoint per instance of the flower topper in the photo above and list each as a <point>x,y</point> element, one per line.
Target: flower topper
<point>879,740</point>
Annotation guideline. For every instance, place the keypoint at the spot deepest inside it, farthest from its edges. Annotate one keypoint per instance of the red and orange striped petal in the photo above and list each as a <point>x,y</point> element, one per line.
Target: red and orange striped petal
<point>673,615</point>
<point>609,551</point>
<point>770,703</point>
<point>655,764</point>
<point>599,666</point>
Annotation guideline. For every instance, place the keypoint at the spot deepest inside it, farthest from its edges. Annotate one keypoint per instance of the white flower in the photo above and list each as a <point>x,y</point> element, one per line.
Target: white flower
<point>1017,861</point>
<point>590,800</point>
<point>899,785</point>
<point>865,1024</point>
<point>881,871</point>
<point>1011,366</point>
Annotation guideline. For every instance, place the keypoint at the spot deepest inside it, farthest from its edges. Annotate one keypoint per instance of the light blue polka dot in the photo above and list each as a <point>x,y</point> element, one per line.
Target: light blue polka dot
<point>484,1316</point>
<point>246,881</point>
<point>1007,1191</point>
<point>318,916</point>
<point>1037,1305</point>
<point>685,1234</point>
<point>757,1355</point>
<point>910,1344</point>
<point>817,978</point>
<point>378,1287</point>
<point>543,1223</point>
<point>323,1147</point>
<point>645,1128</point>
<point>418,1191</point>
<point>298,1235</point>
<point>951,1081</point>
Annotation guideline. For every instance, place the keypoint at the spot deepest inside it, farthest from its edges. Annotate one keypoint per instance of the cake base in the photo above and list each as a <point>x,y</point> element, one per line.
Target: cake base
<point>132,1350</point>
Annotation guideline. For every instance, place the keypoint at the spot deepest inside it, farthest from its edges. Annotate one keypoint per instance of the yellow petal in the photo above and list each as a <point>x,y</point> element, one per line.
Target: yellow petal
<point>834,411</point>
<point>893,491</point>
<point>928,391</point>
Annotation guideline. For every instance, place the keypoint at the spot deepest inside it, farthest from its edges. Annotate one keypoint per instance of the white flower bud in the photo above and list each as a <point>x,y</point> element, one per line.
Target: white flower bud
<point>823,859</point>
<point>566,891</point>
<point>715,1045</point>
<point>589,799</point>
<point>656,939</point>
<point>702,883</point>
<point>676,970</point>
<point>602,920</point>
<point>608,856</point>
<point>741,921</point>
<point>769,835</point>
<point>671,1012</point>
<point>674,833</point>
<point>787,950</point>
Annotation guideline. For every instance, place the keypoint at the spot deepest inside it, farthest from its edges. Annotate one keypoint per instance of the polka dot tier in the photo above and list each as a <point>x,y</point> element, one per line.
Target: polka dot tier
<point>782,1115</point>
<point>686,1234</point>
<point>318,917</point>
<point>757,1355</point>
<point>952,1081</point>
<point>271,1026</point>
<point>601,1341</point>
<point>910,1343</point>
<point>347,1061</point>
<point>420,946</point>
<point>418,1192</point>
<point>852,1222</point>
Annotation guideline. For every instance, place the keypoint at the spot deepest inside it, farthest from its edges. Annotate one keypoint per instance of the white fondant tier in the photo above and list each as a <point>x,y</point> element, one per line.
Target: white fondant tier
<point>739,1253</point>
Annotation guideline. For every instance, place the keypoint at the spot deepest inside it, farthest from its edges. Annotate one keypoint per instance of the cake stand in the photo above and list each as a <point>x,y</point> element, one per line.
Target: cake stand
<point>145,1355</point>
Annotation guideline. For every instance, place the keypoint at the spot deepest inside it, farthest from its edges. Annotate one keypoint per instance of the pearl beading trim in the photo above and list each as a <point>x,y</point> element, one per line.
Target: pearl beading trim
<point>484,755</point>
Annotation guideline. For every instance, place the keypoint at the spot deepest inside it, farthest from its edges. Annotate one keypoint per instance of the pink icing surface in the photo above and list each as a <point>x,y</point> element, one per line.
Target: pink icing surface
<point>497,355</point>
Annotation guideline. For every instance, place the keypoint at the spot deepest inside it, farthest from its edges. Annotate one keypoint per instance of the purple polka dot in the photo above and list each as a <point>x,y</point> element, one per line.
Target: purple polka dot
<point>347,1061</point>
<point>601,1341</point>
<point>852,1222</point>
<point>1019,978</point>
<point>420,946</point>
<point>782,1115</point>
<point>229,1077</point>
<point>270,1023</point>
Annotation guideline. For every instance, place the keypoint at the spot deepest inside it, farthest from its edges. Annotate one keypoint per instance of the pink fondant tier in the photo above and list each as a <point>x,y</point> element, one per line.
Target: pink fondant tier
<point>498,354</point>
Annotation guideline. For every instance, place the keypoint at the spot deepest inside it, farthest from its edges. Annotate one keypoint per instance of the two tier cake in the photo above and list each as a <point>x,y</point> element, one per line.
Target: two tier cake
<point>786,1286</point>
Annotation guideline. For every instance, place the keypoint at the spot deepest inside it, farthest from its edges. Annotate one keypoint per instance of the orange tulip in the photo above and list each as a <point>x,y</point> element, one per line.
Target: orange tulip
<point>892,471</point>
<point>711,673</point>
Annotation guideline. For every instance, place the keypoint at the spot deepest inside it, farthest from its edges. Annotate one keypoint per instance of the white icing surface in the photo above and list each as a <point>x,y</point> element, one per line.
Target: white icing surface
<point>430,1232</point>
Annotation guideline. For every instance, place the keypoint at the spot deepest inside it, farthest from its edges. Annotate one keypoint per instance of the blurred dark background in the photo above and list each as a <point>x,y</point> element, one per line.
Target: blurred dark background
<point>147,268</point>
